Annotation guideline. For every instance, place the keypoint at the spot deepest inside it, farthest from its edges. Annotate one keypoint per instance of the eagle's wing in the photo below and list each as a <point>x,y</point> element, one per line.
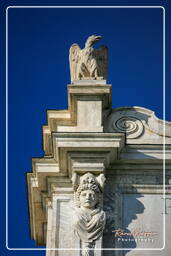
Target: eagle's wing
<point>102,60</point>
<point>74,57</point>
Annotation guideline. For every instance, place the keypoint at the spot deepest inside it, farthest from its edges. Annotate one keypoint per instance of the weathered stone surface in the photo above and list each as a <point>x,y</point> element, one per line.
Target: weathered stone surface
<point>60,232</point>
<point>135,204</point>
<point>89,82</point>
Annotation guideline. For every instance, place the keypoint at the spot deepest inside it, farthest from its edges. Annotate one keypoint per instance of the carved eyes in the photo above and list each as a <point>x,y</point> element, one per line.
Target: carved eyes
<point>88,195</point>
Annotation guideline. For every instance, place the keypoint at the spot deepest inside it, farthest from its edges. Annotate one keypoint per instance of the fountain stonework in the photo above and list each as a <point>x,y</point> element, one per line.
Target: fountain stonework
<point>98,190</point>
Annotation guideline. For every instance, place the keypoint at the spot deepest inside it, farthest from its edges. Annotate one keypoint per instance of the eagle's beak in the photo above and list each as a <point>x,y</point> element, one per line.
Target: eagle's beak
<point>97,38</point>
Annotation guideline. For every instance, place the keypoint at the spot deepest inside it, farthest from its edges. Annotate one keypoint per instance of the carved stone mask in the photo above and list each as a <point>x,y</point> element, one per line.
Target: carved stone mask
<point>88,199</point>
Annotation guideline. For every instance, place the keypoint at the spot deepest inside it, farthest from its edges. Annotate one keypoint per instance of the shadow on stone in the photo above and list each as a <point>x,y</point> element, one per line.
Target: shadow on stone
<point>121,210</point>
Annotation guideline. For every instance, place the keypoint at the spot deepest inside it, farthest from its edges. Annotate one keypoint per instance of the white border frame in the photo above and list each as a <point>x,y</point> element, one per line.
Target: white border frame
<point>106,249</point>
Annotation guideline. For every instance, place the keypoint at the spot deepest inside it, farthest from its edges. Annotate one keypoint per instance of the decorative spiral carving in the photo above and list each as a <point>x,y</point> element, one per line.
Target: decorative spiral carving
<point>132,126</point>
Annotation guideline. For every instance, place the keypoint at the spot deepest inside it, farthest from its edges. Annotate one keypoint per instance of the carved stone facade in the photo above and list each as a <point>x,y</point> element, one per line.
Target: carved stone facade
<point>99,188</point>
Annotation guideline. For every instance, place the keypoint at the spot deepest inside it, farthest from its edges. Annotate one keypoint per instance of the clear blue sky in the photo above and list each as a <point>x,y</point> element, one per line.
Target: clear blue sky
<point>39,42</point>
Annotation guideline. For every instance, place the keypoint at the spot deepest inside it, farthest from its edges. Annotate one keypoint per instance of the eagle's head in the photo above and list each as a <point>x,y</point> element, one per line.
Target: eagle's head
<point>91,40</point>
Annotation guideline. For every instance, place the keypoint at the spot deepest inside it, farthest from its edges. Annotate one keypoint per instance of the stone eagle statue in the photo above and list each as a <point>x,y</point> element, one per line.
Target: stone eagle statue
<point>88,63</point>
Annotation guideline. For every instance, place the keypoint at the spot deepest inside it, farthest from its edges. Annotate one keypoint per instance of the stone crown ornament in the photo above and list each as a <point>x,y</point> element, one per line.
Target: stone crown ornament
<point>88,63</point>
